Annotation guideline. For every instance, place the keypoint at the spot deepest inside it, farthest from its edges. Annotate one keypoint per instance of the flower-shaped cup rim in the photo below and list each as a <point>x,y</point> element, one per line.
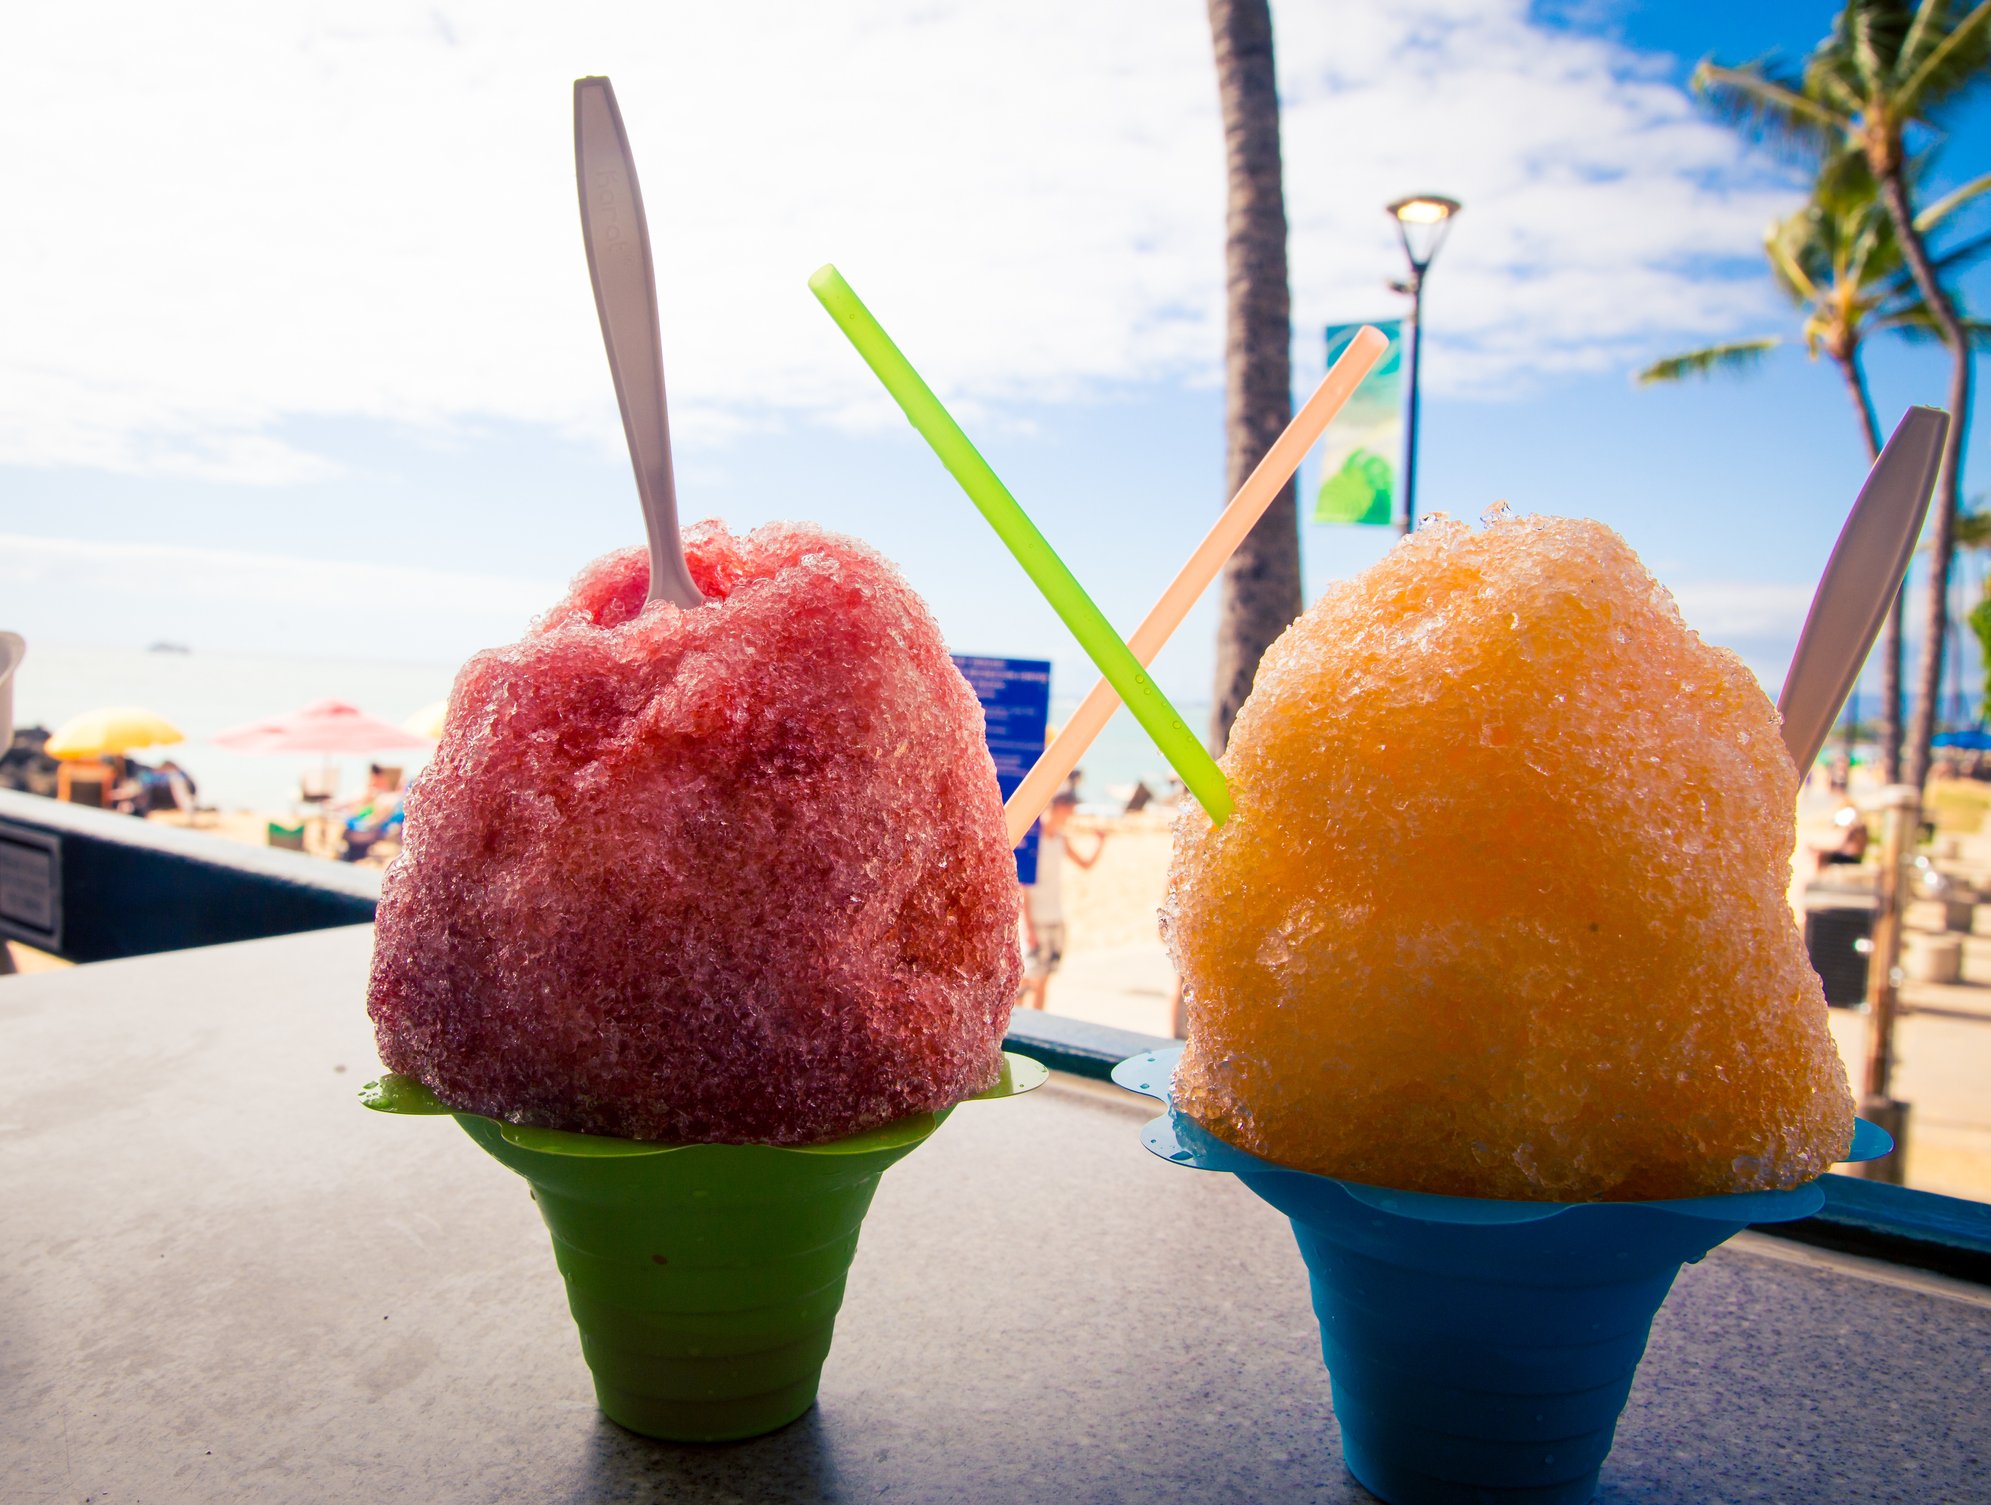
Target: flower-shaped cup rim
<point>403,1095</point>
<point>1180,1140</point>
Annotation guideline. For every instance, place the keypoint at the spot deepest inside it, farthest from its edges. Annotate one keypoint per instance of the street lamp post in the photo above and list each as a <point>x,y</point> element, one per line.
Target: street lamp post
<point>1422,221</point>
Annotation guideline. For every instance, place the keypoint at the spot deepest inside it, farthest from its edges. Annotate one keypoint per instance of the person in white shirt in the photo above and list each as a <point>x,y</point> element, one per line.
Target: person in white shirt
<point>1043,901</point>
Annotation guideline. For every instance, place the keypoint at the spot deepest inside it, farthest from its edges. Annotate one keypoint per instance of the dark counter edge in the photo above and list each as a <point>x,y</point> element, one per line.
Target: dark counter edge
<point>132,888</point>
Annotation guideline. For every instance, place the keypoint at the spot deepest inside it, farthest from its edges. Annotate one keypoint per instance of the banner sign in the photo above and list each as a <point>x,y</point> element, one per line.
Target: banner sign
<point>1364,446</point>
<point>1016,708</point>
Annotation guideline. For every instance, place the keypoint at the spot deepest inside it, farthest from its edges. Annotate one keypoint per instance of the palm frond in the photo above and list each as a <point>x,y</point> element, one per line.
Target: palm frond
<point>1898,292</point>
<point>1787,244</point>
<point>1844,238</point>
<point>1912,321</point>
<point>1958,257</point>
<point>1826,81</point>
<point>1860,56</point>
<point>1854,220</point>
<point>1867,47</point>
<point>1918,326</point>
<point>1972,529</point>
<point>1920,36</point>
<point>1950,202</point>
<point>1775,110</point>
<point>1844,183</point>
<point>1732,359</point>
<point>1956,60</point>
<point>1870,248</point>
<point>1862,225</point>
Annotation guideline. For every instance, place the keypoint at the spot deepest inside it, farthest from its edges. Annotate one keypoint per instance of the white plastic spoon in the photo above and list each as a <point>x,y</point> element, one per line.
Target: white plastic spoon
<point>625,282</point>
<point>1860,582</point>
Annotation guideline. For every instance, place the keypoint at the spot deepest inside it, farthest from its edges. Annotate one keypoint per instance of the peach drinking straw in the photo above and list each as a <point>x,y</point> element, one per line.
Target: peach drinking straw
<point>1253,497</point>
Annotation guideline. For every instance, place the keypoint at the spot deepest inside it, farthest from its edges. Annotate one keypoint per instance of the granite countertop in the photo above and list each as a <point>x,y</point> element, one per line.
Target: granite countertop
<point>222,1280</point>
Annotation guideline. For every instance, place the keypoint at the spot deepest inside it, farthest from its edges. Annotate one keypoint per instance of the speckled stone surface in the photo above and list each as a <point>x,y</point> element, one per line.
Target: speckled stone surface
<point>222,1280</point>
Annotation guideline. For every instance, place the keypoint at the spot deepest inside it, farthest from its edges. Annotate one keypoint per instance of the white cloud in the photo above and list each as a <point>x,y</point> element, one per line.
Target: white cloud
<point>1735,610</point>
<point>368,209</point>
<point>277,603</point>
<point>1595,198</point>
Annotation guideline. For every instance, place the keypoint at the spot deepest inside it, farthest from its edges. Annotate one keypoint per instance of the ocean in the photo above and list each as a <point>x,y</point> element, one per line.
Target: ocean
<point>204,693</point>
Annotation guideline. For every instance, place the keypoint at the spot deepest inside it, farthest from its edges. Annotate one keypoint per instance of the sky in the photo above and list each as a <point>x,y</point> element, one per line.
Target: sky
<point>301,355</point>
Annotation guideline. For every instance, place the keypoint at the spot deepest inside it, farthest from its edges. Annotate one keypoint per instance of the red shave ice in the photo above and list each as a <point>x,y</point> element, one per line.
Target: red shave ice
<point>731,874</point>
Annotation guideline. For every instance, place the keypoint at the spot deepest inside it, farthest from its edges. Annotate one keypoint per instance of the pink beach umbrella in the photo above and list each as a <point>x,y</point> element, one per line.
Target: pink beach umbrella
<point>324,727</point>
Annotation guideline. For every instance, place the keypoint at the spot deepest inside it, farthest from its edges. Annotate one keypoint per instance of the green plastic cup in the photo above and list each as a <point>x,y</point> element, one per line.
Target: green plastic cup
<point>705,1279</point>
<point>705,1282</point>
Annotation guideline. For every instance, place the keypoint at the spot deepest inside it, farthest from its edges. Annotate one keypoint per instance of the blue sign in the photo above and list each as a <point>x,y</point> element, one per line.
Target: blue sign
<point>1016,706</point>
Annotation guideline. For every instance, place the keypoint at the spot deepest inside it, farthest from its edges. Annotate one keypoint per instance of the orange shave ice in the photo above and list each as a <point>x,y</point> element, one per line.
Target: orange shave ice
<point>1502,910</point>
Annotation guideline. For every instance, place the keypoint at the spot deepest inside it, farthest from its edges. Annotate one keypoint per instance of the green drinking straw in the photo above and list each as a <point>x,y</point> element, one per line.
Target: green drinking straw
<point>1198,770</point>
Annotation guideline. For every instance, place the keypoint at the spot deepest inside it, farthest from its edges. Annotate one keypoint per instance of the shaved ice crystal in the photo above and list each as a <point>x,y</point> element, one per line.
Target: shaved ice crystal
<point>1502,910</point>
<point>733,874</point>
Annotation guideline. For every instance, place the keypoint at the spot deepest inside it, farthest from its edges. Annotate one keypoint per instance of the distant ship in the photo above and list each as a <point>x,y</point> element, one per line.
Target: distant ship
<point>168,648</point>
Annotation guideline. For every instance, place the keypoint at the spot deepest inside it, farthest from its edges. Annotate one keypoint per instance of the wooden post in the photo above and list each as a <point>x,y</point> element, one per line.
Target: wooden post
<point>1901,813</point>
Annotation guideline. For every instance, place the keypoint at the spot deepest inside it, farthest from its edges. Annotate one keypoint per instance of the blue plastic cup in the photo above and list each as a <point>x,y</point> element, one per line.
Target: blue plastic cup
<point>1482,1362</point>
<point>1479,1350</point>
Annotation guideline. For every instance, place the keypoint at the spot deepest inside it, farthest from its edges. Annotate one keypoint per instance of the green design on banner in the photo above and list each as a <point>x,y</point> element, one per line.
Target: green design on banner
<point>1359,453</point>
<point>1361,492</point>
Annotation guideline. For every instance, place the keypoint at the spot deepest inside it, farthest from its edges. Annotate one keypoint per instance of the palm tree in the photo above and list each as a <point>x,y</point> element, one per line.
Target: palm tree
<point>1261,589</point>
<point>1887,66</point>
<point>1973,535</point>
<point>1840,263</point>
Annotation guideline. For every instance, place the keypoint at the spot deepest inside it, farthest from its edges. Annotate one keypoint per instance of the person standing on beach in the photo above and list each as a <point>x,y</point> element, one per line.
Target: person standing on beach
<point>1043,901</point>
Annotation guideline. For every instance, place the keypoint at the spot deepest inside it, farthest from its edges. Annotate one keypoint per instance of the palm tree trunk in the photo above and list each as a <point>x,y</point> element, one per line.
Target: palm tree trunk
<point>1856,388</point>
<point>1261,589</point>
<point>1949,482</point>
<point>1897,618</point>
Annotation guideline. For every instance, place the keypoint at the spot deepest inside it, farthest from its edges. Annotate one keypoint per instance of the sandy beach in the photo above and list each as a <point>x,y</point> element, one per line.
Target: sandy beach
<point>1113,904</point>
<point>252,828</point>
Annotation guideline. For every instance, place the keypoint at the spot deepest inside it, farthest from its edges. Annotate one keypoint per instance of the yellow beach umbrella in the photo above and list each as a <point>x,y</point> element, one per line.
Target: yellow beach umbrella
<point>111,732</point>
<point>427,722</point>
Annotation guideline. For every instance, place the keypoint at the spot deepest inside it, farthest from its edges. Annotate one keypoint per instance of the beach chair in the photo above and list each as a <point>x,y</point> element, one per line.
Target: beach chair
<point>365,846</point>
